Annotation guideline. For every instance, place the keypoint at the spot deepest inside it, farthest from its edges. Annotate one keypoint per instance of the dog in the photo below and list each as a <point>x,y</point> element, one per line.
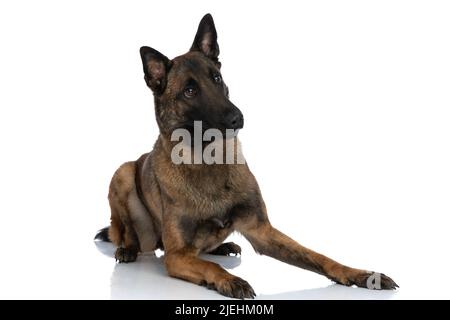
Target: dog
<point>187,209</point>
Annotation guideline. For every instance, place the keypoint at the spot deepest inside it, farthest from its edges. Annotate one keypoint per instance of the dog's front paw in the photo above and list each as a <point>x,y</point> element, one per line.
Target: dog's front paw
<point>235,288</point>
<point>226,249</point>
<point>370,280</point>
<point>125,255</point>
<point>375,281</point>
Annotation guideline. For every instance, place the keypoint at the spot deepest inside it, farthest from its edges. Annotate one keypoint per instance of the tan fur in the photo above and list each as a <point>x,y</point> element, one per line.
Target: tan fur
<point>187,209</point>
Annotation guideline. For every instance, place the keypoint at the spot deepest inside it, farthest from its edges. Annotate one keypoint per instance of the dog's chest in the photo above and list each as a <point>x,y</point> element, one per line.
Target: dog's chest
<point>211,197</point>
<point>206,191</point>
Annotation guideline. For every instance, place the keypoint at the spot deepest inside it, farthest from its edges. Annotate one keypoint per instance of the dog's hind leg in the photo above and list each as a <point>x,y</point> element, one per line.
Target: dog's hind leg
<point>122,232</point>
<point>132,226</point>
<point>143,223</point>
<point>128,251</point>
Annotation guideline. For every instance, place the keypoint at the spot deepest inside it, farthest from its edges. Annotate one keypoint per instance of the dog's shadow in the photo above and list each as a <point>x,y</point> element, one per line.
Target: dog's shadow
<point>146,278</point>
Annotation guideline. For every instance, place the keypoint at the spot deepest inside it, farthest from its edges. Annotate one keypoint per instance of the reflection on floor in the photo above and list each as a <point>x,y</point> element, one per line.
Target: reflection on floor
<point>147,279</point>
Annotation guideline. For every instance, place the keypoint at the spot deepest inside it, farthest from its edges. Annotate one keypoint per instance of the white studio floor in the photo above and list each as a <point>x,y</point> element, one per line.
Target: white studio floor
<point>146,279</point>
<point>97,276</point>
<point>346,107</point>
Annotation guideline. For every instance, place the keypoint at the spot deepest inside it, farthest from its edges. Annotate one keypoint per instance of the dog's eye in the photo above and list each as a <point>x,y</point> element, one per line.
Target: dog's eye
<point>189,92</point>
<point>217,78</point>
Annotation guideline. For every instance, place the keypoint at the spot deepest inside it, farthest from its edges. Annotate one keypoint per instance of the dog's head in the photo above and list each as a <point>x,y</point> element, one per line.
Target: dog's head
<point>190,87</point>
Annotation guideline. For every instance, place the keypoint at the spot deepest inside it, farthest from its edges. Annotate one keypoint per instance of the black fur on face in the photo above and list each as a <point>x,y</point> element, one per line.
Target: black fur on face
<point>190,87</point>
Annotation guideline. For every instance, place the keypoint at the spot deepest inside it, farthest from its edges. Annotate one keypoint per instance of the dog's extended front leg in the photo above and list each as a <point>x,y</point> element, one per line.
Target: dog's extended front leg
<point>269,241</point>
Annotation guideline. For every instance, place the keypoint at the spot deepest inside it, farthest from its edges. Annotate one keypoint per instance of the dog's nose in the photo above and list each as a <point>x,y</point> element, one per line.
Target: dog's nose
<point>236,120</point>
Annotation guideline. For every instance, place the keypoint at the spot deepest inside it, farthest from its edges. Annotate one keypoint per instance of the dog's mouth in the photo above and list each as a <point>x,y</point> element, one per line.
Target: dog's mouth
<point>202,134</point>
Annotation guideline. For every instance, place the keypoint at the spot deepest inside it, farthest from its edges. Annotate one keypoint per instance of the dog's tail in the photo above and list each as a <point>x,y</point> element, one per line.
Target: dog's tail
<point>102,235</point>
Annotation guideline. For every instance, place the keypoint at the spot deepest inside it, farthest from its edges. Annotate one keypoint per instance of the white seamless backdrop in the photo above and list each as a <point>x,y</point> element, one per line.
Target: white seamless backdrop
<point>347,112</point>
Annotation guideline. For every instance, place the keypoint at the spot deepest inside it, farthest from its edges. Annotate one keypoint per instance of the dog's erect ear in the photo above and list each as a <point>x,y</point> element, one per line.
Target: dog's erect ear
<point>156,66</point>
<point>206,39</point>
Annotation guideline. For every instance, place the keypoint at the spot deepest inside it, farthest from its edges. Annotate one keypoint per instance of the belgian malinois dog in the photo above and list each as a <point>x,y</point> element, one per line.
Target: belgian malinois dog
<point>188,209</point>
